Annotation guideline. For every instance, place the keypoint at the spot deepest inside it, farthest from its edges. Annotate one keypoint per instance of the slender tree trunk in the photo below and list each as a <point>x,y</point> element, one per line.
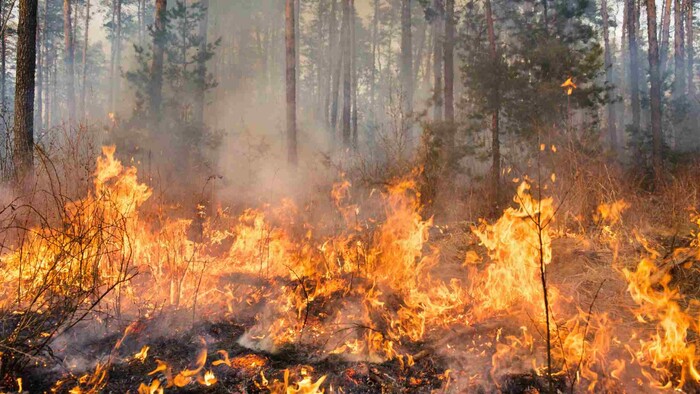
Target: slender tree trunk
<point>655,92</point>
<point>406,57</point>
<point>291,83</point>
<point>23,152</point>
<point>612,130</point>
<point>679,72</point>
<point>632,22</point>
<point>69,60</point>
<point>297,38</point>
<point>375,44</point>
<point>158,54</point>
<point>3,61</point>
<point>449,60</point>
<point>38,117</point>
<point>320,60</point>
<point>690,50</point>
<point>347,74</point>
<point>496,107</point>
<point>86,47</point>
<point>112,56</point>
<point>665,34</point>
<point>337,74</point>
<point>116,77</point>
<point>202,67</point>
<point>332,54</point>
<point>437,60</point>
<point>353,52</point>
<point>46,67</point>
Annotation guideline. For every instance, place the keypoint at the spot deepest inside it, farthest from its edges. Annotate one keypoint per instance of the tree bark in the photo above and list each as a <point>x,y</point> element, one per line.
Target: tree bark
<point>406,57</point>
<point>69,60</point>
<point>632,22</point>
<point>449,60</point>
<point>291,82</point>
<point>23,152</point>
<point>612,130</point>
<point>437,60</point>
<point>86,47</point>
<point>495,104</point>
<point>156,90</point>
<point>655,92</point>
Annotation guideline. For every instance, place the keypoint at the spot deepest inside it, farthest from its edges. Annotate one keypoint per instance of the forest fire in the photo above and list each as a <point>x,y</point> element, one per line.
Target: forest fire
<point>349,196</point>
<point>372,294</point>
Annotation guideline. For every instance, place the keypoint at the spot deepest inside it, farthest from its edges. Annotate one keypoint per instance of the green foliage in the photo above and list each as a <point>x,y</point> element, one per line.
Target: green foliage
<point>185,78</point>
<point>184,70</point>
<point>533,60</point>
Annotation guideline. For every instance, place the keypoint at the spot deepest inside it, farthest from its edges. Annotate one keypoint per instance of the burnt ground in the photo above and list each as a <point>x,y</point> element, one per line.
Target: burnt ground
<point>126,374</point>
<point>244,375</point>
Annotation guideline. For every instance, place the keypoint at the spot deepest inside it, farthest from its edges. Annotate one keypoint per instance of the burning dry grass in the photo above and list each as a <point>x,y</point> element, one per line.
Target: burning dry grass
<point>363,300</point>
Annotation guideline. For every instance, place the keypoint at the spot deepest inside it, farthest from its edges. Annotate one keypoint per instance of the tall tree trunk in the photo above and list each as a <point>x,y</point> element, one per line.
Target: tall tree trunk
<point>665,34</point>
<point>291,83</point>
<point>632,23</point>
<point>406,57</point>
<point>337,74</point>
<point>437,59</point>
<point>320,60</point>
<point>612,130</point>
<point>297,38</point>
<point>679,72</point>
<point>69,60</point>
<point>38,116</point>
<point>449,60</point>
<point>46,68</point>
<point>353,52</point>
<point>116,78</point>
<point>23,152</point>
<point>3,60</point>
<point>347,74</point>
<point>375,44</point>
<point>156,90</point>
<point>202,66</point>
<point>332,54</point>
<point>655,92</point>
<point>496,107</point>
<point>86,47</point>
<point>112,56</point>
<point>690,50</point>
